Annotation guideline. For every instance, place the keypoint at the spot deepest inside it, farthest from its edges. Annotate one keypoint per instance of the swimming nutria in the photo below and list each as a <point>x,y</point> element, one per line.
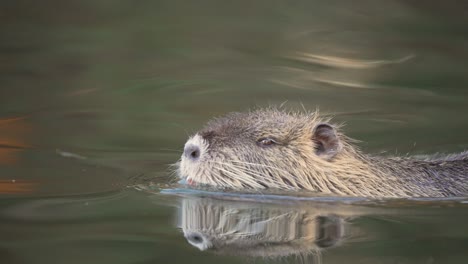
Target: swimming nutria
<point>269,148</point>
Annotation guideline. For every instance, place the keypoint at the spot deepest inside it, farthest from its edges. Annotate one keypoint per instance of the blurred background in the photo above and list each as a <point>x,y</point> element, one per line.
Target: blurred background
<point>96,96</point>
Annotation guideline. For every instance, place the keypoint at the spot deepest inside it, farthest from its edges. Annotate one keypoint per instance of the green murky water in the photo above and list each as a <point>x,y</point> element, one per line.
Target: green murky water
<point>97,99</point>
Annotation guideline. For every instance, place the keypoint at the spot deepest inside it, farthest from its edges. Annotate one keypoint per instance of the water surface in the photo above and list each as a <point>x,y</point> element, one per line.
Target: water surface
<point>97,97</point>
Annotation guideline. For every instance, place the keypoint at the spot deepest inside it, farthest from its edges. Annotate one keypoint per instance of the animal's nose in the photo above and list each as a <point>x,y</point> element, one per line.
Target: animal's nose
<point>192,152</point>
<point>195,238</point>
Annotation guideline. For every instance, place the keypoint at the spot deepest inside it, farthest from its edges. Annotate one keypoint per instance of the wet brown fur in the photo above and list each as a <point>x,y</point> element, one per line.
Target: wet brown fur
<point>233,159</point>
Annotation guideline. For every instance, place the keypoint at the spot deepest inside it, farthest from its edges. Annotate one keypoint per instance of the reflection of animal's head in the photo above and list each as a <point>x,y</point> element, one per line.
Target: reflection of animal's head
<point>274,149</point>
<point>250,230</point>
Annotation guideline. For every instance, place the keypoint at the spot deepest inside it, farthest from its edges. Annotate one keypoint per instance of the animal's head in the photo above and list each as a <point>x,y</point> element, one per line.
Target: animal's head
<point>263,149</point>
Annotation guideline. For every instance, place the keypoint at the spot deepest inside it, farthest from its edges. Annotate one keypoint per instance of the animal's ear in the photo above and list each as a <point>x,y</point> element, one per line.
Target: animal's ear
<point>327,142</point>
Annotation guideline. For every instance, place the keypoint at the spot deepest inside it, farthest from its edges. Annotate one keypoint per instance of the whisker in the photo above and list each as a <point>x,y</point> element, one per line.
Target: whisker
<point>270,167</point>
<point>246,180</point>
<point>247,172</point>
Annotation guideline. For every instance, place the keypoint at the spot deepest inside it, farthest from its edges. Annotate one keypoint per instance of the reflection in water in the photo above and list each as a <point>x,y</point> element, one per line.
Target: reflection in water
<point>247,229</point>
<point>314,230</point>
<point>340,62</point>
<point>15,187</point>
<point>13,139</point>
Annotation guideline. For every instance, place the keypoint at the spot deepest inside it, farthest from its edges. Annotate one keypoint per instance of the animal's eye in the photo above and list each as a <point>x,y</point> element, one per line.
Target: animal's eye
<point>266,142</point>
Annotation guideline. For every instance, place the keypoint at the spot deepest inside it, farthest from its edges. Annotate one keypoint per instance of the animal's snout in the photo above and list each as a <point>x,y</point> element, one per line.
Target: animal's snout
<point>192,152</point>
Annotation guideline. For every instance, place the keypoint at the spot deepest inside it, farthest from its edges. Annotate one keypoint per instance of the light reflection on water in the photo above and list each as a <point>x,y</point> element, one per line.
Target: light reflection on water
<point>96,97</point>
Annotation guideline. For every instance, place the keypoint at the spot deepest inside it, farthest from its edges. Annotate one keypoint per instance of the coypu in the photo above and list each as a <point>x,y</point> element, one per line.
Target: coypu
<point>270,148</point>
